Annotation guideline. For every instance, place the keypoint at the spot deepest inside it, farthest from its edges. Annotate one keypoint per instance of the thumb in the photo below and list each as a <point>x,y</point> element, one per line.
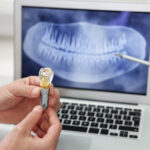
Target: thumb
<point>31,119</point>
<point>24,90</point>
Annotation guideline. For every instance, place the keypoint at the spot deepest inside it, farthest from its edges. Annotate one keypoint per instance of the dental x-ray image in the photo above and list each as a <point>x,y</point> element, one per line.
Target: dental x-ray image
<point>79,45</point>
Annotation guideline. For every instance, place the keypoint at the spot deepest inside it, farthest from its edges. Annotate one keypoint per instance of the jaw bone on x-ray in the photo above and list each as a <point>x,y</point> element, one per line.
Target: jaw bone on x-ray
<point>79,46</point>
<point>82,51</point>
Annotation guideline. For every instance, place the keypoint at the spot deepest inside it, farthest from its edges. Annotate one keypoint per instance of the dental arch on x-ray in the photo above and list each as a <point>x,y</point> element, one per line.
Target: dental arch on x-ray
<point>83,52</point>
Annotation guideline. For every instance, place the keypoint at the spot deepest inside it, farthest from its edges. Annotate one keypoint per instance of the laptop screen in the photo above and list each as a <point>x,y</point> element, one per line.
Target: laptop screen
<point>80,47</point>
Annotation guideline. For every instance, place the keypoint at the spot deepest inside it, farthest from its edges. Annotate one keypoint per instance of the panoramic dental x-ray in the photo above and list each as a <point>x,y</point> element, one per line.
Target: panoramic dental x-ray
<point>79,46</point>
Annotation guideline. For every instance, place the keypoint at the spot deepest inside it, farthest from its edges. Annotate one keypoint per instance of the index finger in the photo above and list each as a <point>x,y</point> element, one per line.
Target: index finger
<point>52,90</point>
<point>31,80</point>
<point>54,129</point>
<point>34,80</point>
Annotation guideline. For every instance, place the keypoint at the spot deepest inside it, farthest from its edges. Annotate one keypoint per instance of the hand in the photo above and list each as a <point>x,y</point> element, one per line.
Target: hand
<point>18,98</point>
<point>21,138</point>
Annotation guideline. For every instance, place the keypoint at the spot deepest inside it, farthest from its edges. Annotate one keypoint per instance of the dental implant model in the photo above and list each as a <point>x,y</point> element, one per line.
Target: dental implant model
<point>46,76</point>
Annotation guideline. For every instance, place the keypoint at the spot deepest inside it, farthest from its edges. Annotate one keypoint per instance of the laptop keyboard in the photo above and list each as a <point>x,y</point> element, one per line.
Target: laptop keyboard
<point>99,119</point>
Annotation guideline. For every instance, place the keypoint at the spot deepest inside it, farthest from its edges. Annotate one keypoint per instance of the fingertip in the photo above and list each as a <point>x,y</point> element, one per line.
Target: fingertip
<point>57,94</point>
<point>52,84</point>
<point>38,108</point>
<point>52,90</point>
<point>48,111</point>
<point>57,91</point>
<point>52,116</point>
<point>34,80</point>
<point>53,99</point>
<point>37,79</point>
<point>36,92</point>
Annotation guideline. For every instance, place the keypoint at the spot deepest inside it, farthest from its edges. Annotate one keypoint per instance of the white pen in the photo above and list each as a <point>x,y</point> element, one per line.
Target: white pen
<point>133,59</point>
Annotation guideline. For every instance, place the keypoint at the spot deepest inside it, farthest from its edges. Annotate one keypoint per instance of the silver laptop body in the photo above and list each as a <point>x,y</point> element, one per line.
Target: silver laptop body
<point>105,99</point>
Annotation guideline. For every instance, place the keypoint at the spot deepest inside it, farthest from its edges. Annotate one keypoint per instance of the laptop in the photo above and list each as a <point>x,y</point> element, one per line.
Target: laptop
<point>105,98</point>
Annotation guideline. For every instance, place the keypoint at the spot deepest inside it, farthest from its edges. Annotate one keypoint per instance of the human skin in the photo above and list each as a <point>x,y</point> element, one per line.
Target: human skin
<point>18,99</point>
<point>20,138</point>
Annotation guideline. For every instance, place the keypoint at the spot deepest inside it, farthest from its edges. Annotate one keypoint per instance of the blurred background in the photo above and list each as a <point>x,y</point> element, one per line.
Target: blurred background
<point>6,51</point>
<point>6,46</point>
<point>6,37</point>
<point>6,41</point>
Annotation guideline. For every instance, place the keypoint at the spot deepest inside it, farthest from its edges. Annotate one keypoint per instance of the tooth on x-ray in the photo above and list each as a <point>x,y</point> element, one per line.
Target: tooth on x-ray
<point>84,52</point>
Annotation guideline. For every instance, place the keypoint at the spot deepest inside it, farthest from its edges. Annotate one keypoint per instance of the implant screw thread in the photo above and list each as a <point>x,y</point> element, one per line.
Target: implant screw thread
<point>44,97</point>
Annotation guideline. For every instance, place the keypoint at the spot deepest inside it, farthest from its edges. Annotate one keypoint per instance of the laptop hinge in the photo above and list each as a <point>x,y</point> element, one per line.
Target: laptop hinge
<point>103,101</point>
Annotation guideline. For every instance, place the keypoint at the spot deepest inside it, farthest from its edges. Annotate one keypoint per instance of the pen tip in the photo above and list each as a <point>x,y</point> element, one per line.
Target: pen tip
<point>117,54</point>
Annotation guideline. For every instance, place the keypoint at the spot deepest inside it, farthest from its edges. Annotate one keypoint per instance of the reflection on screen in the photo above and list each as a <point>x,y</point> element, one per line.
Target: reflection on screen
<point>79,45</point>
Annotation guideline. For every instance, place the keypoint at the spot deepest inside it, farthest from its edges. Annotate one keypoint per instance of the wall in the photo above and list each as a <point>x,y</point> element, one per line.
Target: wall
<point>6,41</point>
<point>6,18</point>
<point>6,14</point>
